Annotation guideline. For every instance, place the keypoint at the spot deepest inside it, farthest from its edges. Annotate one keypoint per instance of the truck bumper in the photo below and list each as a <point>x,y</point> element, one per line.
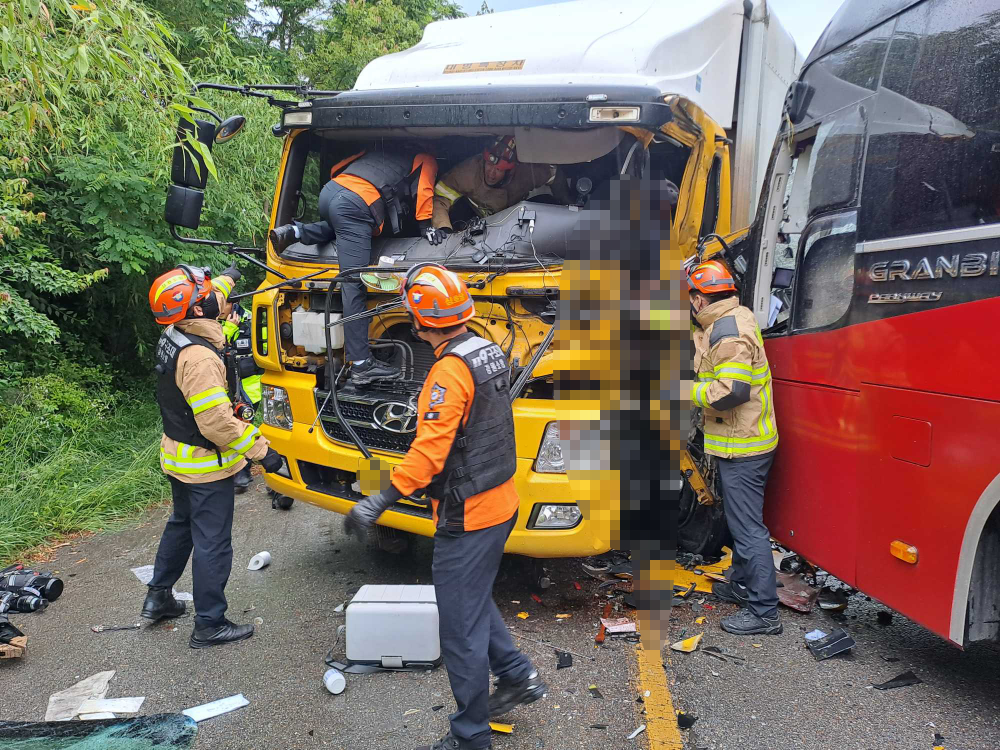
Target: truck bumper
<point>307,454</point>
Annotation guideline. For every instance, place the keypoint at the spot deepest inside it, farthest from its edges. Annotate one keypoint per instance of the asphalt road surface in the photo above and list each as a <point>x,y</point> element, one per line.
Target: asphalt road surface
<point>781,697</point>
<point>280,669</point>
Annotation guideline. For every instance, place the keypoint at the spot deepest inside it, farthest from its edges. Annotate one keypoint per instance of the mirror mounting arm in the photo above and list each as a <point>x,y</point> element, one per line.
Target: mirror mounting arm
<point>229,247</point>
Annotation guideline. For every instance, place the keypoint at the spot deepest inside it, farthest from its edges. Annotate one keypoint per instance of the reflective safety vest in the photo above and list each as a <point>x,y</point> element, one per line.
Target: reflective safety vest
<point>391,173</point>
<point>239,337</point>
<point>483,455</point>
<point>733,385</point>
<point>178,415</point>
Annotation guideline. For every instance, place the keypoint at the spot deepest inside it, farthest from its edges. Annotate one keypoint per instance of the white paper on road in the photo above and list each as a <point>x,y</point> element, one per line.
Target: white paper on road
<point>145,574</point>
<point>94,717</point>
<point>618,625</point>
<point>65,704</point>
<point>216,708</point>
<point>111,705</point>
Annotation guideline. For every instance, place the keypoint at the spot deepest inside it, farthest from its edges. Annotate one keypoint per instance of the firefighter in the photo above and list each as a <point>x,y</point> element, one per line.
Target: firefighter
<point>236,328</point>
<point>365,190</point>
<point>203,446</point>
<point>490,182</point>
<point>734,393</point>
<point>463,455</point>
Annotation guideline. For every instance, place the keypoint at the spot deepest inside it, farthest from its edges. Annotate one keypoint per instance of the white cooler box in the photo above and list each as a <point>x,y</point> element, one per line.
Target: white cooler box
<point>393,626</point>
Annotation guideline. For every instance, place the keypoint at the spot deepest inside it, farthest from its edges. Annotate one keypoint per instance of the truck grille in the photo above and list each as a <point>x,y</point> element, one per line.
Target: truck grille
<point>360,411</point>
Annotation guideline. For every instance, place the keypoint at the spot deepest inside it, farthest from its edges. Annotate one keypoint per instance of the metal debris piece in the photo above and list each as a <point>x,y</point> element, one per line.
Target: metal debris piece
<point>563,660</point>
<point>832,600</point>
<point>639,730</point>
<point>795,593</point>
<point>903,680</point>
<point>837,642</point>
<point>110,628</point>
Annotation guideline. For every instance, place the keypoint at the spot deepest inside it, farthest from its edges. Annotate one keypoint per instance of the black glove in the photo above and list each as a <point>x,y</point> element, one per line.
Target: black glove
<point>366,512</point>
<point>232,272</point>
<point>271,461</point>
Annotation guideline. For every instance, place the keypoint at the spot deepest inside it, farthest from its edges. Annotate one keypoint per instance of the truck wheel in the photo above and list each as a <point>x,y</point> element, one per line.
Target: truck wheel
<point>279,501</point>
<point>701,529</point>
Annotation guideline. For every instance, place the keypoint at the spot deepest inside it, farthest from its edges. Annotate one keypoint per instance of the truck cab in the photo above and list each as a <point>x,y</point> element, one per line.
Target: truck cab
<point>652,90</point>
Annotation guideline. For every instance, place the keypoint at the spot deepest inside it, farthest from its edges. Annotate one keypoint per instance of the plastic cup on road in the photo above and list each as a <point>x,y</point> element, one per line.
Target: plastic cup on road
<point>335,681</point>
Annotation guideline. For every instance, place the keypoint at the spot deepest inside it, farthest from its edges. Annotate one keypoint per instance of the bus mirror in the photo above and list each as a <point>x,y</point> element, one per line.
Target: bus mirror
<point>183,170</point>
<point>782,278</point>
<point>229,128</point>
<point>797,101</point>
<point>184,206</point>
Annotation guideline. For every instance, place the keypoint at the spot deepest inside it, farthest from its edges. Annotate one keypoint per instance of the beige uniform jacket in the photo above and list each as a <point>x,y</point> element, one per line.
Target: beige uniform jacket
<point>467,180</point>
<point>201,377</point>
<point>733,385</point>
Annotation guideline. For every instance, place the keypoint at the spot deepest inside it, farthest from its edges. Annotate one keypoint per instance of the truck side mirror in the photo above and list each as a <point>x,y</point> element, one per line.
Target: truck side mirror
<point>229,128</point>
<point>184,206</point>
<point>183,169</point>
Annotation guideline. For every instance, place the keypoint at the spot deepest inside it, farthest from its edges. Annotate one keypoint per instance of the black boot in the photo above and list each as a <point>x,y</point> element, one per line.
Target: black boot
<point>241,482</point>
<point>160,604</point>
<point>281,237</point>
<point>372,369</point>
<point>216,636</point>
<point>450,742</point>
<point>746,622</point>
<point>509,696</point>
<point>730,591</point>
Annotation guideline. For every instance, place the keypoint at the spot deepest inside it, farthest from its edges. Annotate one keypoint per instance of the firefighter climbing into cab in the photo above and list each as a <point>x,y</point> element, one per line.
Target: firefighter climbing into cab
<point>464,456</point>
<point>492,181</point>
<point>365,191</point>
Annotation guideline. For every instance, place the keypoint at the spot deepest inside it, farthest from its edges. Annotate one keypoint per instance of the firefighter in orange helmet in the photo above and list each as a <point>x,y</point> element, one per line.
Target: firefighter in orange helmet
<point>203,446</point>
<point>733,389</point>
<point>464,456</point>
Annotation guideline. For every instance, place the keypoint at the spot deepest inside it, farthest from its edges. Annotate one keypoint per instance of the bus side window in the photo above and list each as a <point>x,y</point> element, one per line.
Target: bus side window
<point>826,271</point>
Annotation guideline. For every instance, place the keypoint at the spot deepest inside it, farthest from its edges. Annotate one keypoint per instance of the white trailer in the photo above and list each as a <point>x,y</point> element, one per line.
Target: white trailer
<point>732,58</point>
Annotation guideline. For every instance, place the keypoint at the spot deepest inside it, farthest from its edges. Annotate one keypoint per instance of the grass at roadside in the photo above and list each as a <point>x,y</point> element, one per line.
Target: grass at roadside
<point>93,477</point>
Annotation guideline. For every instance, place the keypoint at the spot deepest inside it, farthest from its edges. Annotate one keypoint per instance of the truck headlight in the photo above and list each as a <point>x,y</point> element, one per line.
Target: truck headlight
<point>550,455</point>
<point>275,407</point>
<point>555,516</point>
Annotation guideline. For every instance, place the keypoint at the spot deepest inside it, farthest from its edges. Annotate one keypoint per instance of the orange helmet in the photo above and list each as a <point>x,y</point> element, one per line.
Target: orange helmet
<point>436,297</point>
<point>502,154</point>
<point>177,291</point>
<point>711,277</point>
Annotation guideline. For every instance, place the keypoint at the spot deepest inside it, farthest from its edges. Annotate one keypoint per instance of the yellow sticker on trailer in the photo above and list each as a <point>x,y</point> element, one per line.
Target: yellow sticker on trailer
<point>484,67</point>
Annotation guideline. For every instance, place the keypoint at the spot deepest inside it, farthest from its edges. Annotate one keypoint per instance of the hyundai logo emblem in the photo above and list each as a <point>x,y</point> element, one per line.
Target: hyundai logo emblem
<point>394,416</point>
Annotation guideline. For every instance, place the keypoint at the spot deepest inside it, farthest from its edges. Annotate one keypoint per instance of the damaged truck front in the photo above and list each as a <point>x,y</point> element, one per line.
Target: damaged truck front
<point>592,95</point>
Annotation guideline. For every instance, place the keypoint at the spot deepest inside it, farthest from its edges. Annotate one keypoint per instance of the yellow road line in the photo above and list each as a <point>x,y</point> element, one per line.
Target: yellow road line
<point>661,719</point>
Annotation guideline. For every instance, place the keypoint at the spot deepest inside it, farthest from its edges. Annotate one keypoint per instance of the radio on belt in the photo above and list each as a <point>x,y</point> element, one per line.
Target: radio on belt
<point>393,626</point>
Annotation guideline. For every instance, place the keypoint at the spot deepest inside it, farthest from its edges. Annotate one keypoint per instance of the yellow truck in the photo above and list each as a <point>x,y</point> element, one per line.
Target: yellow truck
<point>662,90</point>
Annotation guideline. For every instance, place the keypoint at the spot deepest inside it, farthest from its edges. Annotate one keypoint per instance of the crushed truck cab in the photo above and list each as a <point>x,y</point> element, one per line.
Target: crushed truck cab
<point>597,93</point>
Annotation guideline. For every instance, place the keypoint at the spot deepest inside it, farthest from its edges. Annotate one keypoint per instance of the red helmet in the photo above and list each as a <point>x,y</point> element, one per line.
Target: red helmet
<point>177,291</point>
<point>436,297</point>
<point>711,277</point>
<point>502,154</point>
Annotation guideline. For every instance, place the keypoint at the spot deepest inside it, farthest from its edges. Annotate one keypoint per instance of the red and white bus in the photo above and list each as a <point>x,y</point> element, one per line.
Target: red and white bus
<point>873,267</point>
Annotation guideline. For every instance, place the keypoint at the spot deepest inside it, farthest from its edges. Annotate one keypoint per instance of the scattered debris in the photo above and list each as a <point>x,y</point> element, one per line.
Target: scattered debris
<point>260,560</point>
<point>618,625</point>
<point>884,618</point>
<point>555,648</point>
<point>111,705</point>
<point>832,600</point>
<point>598,726</point>
<point>815,635</point>
<point>95,716</point>
<point>515,601</point>
<point>757,645</point>
<point>563,659</point>
<point>890,659</point>
<point>577,586</point>
<point>436,708</point>
<point>837,642</point>
<point>216,708</point>
<point>537,598</point>
<point>599,638</point>
<point>563,617</point>
<point>903,680</point>
<point>639,730</point>
<point>109,628</point>
<point>335,681</point>
<point>505,728</point>
<point>251,609</point>
<point>411,711</point>
<point>685,721</point>
<point>65,704</point>
<point>523,615</point>
<point>682,592</point>
<point>699,620</point>
<point>629,600</point>
<point>15,646</point>
<point>795,593</point>
<point>340,607</point>
<point>595,692</point>
<point>258,621</point>
<point>688,644</point>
